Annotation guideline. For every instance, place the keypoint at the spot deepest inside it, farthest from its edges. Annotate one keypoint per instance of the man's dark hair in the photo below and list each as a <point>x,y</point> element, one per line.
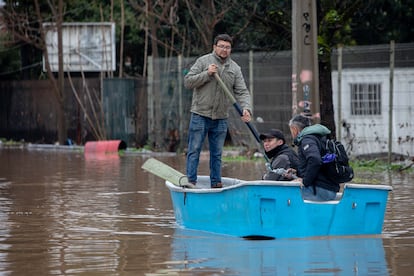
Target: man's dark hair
<point>224,37</point>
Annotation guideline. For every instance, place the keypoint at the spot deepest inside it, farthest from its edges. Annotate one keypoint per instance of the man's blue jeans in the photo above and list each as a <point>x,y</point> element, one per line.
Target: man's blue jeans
<point>199,128</point>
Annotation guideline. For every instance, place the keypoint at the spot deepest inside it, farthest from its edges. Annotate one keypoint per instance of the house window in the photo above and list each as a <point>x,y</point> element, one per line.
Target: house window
<point>365,98</point>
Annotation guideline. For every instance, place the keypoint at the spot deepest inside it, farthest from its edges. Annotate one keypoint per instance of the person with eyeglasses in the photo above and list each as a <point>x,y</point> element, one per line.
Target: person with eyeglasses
<point>210,106</point>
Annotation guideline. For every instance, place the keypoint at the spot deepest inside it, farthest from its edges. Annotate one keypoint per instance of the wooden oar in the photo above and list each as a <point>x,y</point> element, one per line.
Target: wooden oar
<point>240,111</point>
<point>166,172</point>
<point>237,106</point>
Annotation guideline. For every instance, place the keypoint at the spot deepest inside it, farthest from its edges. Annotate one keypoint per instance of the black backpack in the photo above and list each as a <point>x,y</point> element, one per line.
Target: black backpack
<point>335,161</point>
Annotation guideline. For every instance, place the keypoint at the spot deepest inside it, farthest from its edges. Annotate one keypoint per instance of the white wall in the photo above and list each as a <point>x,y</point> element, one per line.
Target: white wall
<point>368,134</point>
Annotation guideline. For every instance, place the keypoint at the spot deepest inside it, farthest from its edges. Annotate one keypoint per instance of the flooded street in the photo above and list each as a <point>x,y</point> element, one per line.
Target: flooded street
<point>64,213</point>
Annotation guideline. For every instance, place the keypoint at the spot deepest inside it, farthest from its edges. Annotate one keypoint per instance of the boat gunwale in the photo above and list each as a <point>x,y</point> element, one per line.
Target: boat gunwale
<point>368,186</point>
<point>242,183</point>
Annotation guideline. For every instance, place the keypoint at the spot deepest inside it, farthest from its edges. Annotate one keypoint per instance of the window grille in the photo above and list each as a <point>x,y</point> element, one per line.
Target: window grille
<point>365,98</point>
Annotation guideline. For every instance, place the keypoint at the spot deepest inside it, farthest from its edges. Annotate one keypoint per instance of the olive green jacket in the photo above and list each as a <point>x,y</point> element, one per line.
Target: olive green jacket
<point>209,99</point>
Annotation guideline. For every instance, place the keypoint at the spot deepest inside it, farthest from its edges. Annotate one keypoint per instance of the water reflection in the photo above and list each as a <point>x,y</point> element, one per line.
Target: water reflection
<point>198,251</point>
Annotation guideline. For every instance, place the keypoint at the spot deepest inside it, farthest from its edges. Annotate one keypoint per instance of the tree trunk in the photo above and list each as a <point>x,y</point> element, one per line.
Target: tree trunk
<point>325,94</point>
<point>121,42</point>
<point>157,137</point>
<point>62,126</point>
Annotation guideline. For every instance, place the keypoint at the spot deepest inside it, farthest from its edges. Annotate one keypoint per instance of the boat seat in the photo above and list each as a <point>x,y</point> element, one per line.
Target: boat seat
<point>335,201</point>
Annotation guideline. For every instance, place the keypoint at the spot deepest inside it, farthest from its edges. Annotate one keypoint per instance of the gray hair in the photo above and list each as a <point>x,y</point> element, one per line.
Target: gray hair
<point>300,121</point>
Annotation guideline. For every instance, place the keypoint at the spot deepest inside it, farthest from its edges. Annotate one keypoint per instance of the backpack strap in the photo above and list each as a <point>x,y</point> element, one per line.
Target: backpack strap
<point>320,141</point>
<point>330,146</point>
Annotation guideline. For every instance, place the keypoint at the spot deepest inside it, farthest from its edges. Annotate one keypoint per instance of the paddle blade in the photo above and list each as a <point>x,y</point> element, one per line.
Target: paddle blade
<point>165,172</point>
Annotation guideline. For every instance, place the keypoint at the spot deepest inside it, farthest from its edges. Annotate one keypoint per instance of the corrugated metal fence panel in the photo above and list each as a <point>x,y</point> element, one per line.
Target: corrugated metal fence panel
<point>119,108</point>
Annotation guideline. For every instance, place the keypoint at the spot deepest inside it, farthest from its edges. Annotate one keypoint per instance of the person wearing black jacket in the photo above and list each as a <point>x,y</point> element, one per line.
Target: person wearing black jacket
<point>316,185</point>
<point>281,155</point>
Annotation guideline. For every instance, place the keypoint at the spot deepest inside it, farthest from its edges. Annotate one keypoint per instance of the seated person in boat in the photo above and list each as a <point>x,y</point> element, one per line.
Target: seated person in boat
<point>281,156</point>
<point>315,185</point>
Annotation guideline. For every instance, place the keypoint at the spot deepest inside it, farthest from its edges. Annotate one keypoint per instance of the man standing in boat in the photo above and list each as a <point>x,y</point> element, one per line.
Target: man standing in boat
<point>209,107</point>
<point>316,186</point>
<point>281,155</point>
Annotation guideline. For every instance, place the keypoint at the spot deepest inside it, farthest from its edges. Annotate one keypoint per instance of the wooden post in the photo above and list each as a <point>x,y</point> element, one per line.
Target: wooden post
<point>180,100</point>
<point>251,78</point>
<point>338,128</point>
<point>150,101</point>
<point>390,109</point>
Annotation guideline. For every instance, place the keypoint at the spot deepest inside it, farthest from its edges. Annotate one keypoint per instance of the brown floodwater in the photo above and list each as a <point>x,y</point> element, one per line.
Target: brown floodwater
<point>64,213</point>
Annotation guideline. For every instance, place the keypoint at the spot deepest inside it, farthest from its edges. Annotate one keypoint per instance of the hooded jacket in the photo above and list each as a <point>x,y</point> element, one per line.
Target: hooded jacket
<point>209,99</point>
<point>310,159</point>
<point>281,157</point>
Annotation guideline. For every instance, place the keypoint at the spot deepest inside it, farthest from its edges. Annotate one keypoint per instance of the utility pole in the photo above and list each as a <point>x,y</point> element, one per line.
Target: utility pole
<point>305,73</point>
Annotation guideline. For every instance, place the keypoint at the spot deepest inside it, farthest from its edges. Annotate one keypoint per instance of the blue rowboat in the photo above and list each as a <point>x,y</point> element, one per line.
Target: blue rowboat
<point>275,209</point>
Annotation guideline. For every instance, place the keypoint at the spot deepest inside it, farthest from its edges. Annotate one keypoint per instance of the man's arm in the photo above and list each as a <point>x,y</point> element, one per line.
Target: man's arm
<point>280,162</point>
<point>241,92</point>
<point>313,160</point>
<point>198,74</point>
